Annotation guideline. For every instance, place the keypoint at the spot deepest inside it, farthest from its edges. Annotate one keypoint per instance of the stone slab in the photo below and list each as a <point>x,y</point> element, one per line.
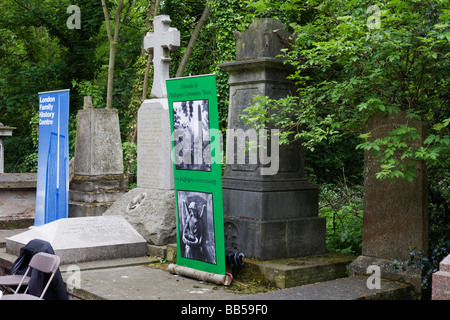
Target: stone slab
<point>352,288</point>
<point>85,239</point>
<point>287,273</point>
<point>151,212</point>
<point>410,275</point>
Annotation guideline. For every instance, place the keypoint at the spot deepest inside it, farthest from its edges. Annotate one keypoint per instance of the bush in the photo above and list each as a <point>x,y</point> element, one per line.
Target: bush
<point>342,207</point>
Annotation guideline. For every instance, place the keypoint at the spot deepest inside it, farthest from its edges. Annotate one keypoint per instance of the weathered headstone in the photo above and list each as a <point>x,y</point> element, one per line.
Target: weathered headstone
<point>150,207</point>
<point>98,179</point>
<point>395,214</point>
<point>85,239</point>
<point>267,216</point>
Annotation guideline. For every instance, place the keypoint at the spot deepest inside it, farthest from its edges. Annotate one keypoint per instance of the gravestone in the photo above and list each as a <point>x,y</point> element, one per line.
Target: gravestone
<point>98,179</point>
<point>83,239</point>
<point>150,207</point>
<point>275,215</point>
<point>395,214</point>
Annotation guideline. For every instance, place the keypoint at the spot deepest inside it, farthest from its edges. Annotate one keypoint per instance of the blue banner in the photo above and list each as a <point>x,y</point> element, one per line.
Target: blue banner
<point>52,193</point>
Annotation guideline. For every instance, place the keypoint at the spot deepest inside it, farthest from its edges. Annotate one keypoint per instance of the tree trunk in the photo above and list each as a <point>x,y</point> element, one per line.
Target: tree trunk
<point>112,59</point>
<point>192,41</point>
<point>112,49</point>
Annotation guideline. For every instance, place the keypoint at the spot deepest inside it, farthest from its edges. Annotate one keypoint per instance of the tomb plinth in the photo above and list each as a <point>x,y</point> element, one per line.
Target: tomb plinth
<point>267,214</point>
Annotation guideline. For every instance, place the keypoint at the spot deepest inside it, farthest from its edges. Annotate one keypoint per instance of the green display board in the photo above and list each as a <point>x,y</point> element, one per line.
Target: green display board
<point>196,156</point>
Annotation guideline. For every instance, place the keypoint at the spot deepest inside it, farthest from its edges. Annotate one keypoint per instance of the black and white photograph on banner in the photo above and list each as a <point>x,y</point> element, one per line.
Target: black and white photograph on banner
<point>196,225</point>
<point>191,135</point>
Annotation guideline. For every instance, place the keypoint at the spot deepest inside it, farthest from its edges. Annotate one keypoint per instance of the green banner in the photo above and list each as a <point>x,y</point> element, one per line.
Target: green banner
<point>196,155</point>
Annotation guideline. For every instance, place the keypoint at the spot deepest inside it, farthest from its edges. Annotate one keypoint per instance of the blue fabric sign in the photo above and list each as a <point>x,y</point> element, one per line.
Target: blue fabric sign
<point>52,193</point>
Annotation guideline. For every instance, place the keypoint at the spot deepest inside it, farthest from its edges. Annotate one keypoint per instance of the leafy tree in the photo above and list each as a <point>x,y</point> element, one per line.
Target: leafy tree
<point>39,53</point>
<point>352,61</point>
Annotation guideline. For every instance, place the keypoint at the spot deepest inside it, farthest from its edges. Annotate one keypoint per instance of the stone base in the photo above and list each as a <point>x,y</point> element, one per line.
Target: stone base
<point>263,240</point>
<point>410,275</point>
<point>441,281</point>
<point>93,195</point>
<point>274,220</point>
<point>81,209</point>
<point>151,212</point>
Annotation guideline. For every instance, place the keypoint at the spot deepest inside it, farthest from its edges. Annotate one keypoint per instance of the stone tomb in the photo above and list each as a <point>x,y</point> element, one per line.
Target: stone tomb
<point>98,178</point>
<point>266,216</point>
<point>85,239</point>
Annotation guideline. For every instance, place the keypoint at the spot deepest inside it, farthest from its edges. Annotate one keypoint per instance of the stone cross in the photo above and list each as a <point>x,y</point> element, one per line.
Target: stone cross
<point>163,40</point>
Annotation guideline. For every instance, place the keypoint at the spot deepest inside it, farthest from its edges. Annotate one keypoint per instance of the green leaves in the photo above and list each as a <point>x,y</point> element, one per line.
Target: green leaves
<point>346,73</point>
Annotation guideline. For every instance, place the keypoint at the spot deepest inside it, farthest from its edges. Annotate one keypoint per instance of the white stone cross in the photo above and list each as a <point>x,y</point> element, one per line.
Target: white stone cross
<point>163,40</point>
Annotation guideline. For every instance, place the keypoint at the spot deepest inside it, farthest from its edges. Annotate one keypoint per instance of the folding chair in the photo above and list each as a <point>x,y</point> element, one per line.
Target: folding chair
<point>8,282</point>
<point>41,261</point>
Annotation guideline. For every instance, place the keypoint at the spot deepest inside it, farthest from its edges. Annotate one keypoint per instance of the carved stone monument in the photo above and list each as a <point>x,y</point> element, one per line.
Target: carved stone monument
<point>267,216</point>
<point>150,207</point>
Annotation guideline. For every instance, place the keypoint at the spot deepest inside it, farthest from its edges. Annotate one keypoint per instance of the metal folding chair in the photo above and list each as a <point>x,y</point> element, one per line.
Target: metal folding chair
<point>10,281</point>
<point>44,262</point>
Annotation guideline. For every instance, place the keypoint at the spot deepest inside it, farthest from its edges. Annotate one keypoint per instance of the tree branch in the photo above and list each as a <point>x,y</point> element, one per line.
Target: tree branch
<point>192,41</point>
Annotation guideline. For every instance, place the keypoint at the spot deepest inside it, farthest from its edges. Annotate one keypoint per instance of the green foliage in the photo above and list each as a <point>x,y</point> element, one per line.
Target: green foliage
<point>347,71</point>
<point>342,208</point>
<point>39,53</point>
<point>129,160</point>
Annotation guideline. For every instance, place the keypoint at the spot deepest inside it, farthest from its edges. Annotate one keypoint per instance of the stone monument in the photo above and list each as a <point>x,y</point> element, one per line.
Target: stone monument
<point>267,216</point>
<point>98,179</point>
<point>150,207</point>
<point>395,214</point>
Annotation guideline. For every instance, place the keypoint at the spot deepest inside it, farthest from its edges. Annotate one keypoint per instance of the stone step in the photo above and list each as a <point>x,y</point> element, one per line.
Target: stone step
<point>348,288</point>
<point>287,273</point>
<point>292,272</point>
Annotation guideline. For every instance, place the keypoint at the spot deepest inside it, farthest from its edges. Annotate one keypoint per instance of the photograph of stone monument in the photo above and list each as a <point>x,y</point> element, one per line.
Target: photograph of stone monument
<point>196,226</point>
<point>191,133</point>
